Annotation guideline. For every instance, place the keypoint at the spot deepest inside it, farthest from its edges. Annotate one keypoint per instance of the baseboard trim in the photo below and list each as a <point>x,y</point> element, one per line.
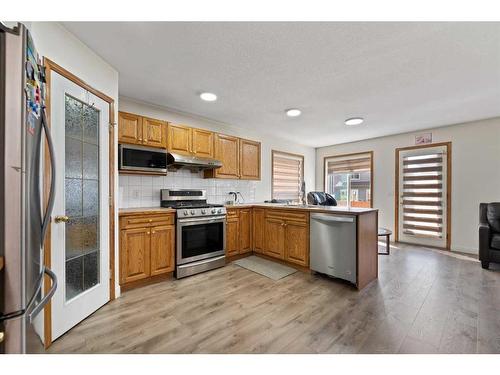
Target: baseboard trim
<point>150,280</point>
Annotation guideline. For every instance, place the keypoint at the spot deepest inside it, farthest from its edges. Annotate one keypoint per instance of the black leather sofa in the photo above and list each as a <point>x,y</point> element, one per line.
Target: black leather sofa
<point>489,233</point>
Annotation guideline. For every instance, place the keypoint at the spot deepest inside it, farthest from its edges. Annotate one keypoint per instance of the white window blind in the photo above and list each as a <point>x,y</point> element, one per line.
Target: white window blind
<point>422,197</point>
<point>287,175</point>
<point>349,164</point>
<point>348,179</point>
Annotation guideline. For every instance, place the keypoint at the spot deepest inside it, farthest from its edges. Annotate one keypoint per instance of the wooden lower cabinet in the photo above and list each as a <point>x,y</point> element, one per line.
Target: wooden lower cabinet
<point>275,238</point>
<point>232,243</point>
<point>162,249</point>
<point>297,243</point>
<point>258,226</point>
<point>286,237</point>
<point>245,230</point>
<point>239,235</point>
<point>147,246</point>
<point>134,254</point>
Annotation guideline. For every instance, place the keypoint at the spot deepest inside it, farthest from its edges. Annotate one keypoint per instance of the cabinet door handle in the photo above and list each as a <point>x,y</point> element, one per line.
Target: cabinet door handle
<point>153,232</point>
<point>148,233</point>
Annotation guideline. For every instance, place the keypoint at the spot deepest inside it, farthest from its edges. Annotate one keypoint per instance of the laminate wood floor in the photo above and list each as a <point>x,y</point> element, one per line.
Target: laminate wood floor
<point>423,302</point>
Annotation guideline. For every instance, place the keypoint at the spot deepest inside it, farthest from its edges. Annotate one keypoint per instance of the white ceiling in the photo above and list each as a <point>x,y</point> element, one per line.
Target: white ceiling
<point>399,76</point>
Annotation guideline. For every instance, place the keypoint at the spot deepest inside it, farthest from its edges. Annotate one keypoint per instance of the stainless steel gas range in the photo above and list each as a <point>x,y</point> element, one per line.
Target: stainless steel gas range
<point>201,231</point>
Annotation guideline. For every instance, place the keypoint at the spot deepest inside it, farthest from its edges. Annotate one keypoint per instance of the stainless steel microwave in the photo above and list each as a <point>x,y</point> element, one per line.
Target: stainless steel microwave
<point>140,158</point>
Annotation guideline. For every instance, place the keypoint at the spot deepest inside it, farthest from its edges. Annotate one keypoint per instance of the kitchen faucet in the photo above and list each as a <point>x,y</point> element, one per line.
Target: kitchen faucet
<point>235,195</point>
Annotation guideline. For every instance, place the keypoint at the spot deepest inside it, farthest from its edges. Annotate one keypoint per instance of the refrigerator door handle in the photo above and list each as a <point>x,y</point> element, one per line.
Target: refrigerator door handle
<point>47,297</point>
<point>19,313</point>
<point>50,203</point>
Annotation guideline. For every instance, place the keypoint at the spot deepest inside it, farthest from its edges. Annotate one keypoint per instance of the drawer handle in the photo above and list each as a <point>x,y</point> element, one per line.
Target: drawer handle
<point>153,232</point>
<point>150,220</point>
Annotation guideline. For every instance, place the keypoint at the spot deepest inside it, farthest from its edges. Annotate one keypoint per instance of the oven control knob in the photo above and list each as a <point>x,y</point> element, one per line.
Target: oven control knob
<point>186,212</point>
<point>214,210</point>
<point>203,212</point>
<point>192,212</point>
<point>219,211</point>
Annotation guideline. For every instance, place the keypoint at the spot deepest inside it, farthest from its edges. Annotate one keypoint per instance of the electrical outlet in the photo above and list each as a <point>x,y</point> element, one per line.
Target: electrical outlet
<point>135,193</point>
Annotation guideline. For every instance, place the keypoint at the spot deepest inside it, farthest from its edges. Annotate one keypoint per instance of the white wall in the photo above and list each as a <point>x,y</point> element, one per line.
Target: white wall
<point>55,42</point>
<point>475,173</point>
<point>257,191</point>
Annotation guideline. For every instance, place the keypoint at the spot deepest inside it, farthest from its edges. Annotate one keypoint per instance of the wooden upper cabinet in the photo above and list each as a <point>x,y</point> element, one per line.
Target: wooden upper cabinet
<point>245,230</point>
<point>162,249</point>
<point>179,139</point>
<point>154,132</point>
<point>227,151</point>
<point>249,160</point>
<point>202,143</point>
<point>240,158</point>
<point>129,128</point>
<point>139,130</point>
<point>190,141</point>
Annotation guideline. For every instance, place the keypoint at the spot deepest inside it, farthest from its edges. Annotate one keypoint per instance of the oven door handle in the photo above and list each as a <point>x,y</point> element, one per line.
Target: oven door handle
<point>202,219</point>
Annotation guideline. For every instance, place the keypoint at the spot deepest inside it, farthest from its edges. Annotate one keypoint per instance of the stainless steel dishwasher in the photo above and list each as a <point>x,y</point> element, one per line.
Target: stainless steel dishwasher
<point>333,245</point>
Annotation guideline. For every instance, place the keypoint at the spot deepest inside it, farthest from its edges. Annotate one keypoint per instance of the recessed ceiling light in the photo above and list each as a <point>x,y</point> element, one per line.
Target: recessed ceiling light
<point>354,121</point>
<point>208,97</point>
<point>293,112</point>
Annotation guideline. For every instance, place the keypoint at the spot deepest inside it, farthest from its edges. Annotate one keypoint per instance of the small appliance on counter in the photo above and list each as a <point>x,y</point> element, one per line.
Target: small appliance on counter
<point>320,198</point>
<point>201,231</point>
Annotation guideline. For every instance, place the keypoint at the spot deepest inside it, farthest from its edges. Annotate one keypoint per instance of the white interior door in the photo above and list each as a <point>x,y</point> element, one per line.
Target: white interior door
<point>423,196</point>
<point>80,245</point>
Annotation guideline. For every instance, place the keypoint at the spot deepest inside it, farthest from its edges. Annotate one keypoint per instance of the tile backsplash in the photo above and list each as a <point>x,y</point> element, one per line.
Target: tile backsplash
<point>144,191</point>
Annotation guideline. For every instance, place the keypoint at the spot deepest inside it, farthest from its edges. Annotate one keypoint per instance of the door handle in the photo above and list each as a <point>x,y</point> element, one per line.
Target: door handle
<point>61,219</point>
<point>47,297</point>
<point>332,219</point>
<point>52,192</point>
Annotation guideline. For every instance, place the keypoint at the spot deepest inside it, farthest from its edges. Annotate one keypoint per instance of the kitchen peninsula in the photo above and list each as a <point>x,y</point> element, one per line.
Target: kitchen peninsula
<point>282,232</point>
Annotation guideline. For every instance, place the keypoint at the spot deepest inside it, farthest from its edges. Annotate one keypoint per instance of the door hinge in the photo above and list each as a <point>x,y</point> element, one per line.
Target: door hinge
<point>112,126</point>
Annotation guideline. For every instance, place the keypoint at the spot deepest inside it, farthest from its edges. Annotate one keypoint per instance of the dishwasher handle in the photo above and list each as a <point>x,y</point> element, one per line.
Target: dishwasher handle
<point>332,218</point>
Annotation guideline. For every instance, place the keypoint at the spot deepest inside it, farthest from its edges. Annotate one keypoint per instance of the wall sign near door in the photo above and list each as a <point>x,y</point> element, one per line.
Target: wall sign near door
<point>423,139</point>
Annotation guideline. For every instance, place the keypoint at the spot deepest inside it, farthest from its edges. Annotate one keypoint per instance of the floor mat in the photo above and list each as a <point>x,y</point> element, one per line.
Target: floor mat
<point>265,267</point>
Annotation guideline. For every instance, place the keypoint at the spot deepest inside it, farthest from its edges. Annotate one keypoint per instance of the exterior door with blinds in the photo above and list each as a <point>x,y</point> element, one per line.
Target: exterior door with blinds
<point>423,195</point>
<point>287,175</point>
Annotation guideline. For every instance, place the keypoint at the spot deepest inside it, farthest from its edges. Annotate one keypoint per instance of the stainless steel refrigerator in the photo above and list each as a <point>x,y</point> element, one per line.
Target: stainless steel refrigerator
<point>25,213</point>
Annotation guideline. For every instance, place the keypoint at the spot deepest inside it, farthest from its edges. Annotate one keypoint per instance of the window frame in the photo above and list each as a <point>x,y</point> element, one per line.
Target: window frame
<point>292,155</point>
<point>353,154</point>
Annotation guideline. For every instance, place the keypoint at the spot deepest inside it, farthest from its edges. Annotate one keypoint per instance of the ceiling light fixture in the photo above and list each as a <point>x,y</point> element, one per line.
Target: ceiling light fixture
<point>354,121</point>
<point>293,112</point>
<point>208,97</point>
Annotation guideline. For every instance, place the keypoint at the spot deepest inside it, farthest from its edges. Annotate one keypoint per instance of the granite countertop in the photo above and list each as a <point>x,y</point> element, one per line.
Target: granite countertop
<point>148,210</point>
<point>312,208</point>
